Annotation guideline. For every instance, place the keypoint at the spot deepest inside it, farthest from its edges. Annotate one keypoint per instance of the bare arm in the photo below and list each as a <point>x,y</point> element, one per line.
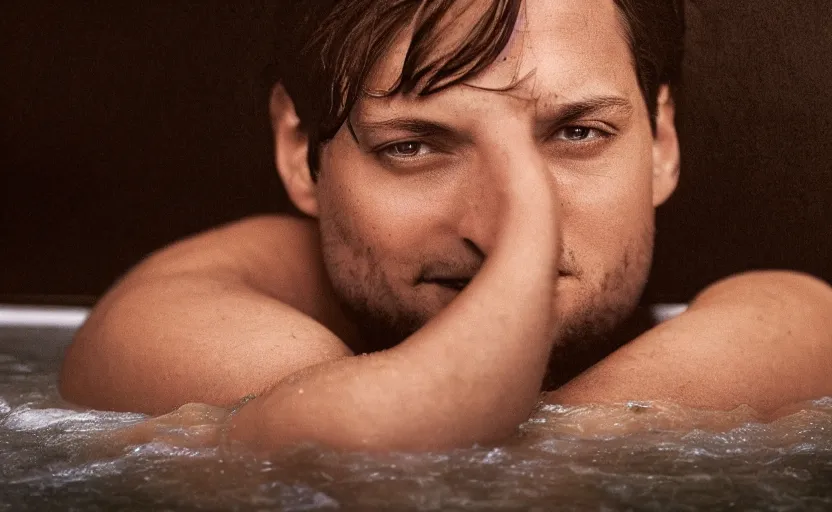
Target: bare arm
<point>762,339</point>
<point>170,334</point>
<point>194,324</point>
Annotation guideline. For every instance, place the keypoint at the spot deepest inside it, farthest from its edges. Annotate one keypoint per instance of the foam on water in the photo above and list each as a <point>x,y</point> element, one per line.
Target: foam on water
<point>640,456</point>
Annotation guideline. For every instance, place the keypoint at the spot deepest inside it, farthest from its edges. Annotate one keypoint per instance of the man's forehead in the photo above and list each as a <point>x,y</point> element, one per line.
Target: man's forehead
<point>556,50</point>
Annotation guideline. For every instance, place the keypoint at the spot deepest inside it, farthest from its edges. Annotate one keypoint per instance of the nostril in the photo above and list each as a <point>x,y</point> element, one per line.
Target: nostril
<point>470,244</point>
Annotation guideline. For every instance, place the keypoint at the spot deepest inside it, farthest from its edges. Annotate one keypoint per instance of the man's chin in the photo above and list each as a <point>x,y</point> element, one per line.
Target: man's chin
<point>586,335</point>
<point>381,330</point>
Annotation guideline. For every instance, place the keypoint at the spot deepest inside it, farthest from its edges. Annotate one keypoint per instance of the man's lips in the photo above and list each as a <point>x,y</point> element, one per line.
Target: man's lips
<point>455,283</point>
<point>459,283</point>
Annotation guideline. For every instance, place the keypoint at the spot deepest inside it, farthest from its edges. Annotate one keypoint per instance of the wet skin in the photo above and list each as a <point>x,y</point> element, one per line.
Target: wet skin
<point>474,232</point>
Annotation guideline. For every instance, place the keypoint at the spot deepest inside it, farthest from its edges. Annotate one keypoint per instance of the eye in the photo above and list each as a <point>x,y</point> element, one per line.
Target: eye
<point>405,149</point>
<point>580,134</point>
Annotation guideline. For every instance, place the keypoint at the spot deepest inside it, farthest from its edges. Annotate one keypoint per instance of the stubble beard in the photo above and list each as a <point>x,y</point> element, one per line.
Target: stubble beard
<point>363,290</point>
<point>384,319</point>
<point>600,324</point>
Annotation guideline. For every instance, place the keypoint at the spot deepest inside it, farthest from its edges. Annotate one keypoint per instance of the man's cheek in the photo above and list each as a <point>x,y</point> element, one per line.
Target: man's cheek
<point>401,220</point>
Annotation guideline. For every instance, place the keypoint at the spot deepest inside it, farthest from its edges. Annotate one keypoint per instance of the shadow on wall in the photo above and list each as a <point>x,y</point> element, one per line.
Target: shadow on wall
<point>127,126</point>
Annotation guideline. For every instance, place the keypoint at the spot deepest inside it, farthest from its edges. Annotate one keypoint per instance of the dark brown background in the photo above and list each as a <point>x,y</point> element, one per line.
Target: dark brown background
<point>125,127</point>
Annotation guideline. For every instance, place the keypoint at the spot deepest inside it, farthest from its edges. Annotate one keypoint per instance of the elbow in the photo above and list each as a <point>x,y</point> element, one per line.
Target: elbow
<point>71,385</point>
<point>94,372</point>
<point>79,367</point>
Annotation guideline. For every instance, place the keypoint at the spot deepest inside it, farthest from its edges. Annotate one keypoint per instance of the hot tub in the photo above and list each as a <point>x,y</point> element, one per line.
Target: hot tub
<point>634,456</point>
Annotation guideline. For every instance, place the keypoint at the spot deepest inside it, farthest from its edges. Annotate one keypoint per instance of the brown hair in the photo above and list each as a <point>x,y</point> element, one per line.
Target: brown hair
<point>330,47</point>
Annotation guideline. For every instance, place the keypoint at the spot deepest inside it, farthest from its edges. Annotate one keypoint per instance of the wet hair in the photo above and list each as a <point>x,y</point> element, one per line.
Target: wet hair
<point>329,48</point>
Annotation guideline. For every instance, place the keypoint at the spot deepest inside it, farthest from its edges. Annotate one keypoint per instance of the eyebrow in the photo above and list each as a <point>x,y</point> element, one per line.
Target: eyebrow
<point>557,113</point>
<point>416,126</point>
<point>569,112</point>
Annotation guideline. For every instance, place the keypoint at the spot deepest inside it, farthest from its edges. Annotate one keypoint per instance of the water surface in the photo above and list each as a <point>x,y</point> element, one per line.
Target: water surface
<point>637,456</point>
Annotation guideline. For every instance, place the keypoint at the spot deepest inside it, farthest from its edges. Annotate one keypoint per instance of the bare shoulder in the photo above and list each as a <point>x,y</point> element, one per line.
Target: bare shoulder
<point>785,297</point>
<point>761,338</point>
<point>208,319</point>
<point>774,283</point>
<point>246,246</point>
<point>276,255</point>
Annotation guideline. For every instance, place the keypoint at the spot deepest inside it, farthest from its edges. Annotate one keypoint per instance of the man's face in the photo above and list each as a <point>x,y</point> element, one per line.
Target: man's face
<point>406,215</point>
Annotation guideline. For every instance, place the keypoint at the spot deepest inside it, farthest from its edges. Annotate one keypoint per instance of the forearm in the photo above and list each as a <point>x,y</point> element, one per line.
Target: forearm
<point>471,375</point>
<point>763,339</point>
<point>459,381</point>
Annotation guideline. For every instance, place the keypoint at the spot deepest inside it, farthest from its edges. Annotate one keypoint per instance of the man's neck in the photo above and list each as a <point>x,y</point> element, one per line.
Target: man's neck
<point>570,359</point>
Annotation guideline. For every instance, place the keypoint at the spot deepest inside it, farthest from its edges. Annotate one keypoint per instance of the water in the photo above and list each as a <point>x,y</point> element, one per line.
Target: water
<point>626,457</point>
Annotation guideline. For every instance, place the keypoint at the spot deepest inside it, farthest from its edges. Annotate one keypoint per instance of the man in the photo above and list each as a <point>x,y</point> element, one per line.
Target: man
<point>480,180</point>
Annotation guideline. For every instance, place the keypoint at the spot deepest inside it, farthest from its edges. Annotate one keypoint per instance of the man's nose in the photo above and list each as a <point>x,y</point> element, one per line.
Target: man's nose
<point>501,178</point>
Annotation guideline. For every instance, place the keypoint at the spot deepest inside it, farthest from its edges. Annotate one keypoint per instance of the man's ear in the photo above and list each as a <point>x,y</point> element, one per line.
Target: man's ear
<point>665,149</point>
<point>291,150</point>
